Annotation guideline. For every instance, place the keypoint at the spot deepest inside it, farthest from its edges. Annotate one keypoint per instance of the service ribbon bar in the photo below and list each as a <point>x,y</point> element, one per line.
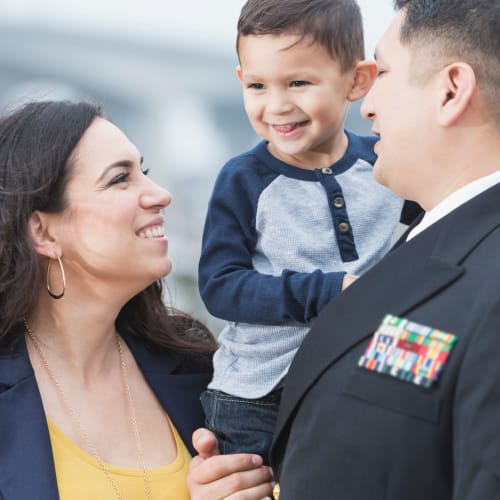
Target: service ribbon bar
<point>407,350</point>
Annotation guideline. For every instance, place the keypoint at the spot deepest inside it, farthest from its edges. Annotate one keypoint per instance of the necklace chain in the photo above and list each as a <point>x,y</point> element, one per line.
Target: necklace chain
<point>77,421</point>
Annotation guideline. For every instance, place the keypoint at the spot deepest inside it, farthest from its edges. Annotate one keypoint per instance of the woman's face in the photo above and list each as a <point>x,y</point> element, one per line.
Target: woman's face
<point>112,229</point>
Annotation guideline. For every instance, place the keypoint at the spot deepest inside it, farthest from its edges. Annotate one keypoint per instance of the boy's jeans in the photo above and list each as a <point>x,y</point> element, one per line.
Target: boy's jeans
<point>242,425</point>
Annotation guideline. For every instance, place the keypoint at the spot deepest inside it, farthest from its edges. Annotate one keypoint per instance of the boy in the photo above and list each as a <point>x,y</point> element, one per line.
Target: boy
<point>293,221</point>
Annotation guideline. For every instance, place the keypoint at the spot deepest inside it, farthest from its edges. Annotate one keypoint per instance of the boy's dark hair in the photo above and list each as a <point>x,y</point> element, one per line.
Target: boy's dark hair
<point>459,30</point>
<point>334,24</point>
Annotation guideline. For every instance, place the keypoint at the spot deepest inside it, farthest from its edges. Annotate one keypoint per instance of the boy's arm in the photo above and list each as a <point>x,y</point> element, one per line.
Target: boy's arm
<point>229,286</point>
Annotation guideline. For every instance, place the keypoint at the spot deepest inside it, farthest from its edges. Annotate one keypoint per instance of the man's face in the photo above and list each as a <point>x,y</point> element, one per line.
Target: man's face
<point>400,107</point>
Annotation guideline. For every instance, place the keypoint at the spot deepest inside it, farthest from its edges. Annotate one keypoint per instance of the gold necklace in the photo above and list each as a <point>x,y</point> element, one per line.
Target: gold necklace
<point>77,421</point>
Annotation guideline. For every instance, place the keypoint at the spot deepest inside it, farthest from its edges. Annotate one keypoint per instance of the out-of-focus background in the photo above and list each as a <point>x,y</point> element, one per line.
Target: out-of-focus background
<point>164,72</point>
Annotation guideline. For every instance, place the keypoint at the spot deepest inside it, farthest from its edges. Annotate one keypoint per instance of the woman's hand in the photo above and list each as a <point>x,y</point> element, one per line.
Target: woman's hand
<point>213,476</point>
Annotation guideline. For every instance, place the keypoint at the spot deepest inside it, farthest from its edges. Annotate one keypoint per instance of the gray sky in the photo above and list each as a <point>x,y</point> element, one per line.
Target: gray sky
<point>195,23</point>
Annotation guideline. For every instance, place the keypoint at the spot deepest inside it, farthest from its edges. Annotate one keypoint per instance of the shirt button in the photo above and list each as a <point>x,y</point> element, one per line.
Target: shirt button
<point>344,227</point>
<point>327,171</point>
<point>338,202</point>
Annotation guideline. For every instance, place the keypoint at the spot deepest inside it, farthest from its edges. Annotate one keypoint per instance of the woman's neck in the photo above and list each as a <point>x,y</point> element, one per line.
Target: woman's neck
<point>77,339</point>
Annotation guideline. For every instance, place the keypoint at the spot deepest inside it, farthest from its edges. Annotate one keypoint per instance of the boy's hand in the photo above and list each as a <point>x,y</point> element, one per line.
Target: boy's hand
<point>349,279</point>
<point>239,477</point>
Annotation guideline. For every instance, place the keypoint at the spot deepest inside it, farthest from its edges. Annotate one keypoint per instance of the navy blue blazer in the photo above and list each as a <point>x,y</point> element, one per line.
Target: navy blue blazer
<point>348,433</point>
<point>26,464</point>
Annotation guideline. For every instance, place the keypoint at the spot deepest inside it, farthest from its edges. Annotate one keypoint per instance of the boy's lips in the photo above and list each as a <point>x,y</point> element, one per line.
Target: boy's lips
<point>288,127</point>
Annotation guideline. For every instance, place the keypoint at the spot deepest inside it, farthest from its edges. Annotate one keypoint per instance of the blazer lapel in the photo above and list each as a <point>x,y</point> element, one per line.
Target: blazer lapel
<point>408,275</point>
<point>176,388</point>
<point>27,469</point>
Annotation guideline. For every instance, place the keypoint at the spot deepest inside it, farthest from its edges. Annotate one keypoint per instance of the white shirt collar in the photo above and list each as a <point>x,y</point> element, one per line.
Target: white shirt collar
<point>453,201</point>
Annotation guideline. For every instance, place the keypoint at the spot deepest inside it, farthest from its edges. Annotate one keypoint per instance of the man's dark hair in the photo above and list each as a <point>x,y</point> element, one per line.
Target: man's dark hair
<point>459,30</point>
<point>334,24</point>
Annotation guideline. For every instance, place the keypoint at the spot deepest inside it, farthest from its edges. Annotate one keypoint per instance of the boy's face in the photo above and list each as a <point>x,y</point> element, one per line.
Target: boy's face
<point>296,97</point>
<point>401,107</point>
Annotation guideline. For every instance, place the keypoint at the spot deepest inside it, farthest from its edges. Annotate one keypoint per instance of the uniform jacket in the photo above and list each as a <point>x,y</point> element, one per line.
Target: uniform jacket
<point>26,464</point>
<point>347,433</point>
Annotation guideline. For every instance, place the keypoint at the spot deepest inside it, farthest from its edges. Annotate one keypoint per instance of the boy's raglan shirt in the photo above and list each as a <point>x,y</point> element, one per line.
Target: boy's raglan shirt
<point>276,245</point>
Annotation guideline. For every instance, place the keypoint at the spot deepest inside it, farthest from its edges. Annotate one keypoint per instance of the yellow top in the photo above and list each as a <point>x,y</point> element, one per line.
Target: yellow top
<point>80,477</point>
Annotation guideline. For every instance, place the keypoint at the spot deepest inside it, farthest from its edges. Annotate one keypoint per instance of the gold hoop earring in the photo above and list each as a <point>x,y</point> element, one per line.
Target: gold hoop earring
<point>51,293</point>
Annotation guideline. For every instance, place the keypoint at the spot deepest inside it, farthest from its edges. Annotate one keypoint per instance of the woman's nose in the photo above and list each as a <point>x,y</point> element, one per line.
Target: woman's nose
<point>155,196</point>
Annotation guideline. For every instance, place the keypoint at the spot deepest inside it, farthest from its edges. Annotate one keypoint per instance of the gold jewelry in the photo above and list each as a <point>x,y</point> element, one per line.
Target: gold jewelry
<point>276,491</point>
<point>51,293</point>
<point>77,421</point>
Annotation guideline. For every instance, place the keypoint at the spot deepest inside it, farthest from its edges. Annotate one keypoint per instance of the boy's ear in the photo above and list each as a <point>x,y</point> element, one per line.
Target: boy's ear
<point>239,73</point>
<point>457,88</point>
<point>364,75</point>
<point>39,229</point>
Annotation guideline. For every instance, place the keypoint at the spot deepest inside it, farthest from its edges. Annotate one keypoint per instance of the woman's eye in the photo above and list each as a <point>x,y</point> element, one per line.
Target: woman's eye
<point>119,179</point>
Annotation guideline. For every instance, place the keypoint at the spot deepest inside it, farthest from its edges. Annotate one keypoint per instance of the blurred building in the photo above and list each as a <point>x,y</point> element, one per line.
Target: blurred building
<point>179,104</point>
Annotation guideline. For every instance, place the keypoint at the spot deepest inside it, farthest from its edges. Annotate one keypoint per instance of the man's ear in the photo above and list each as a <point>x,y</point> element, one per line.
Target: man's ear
<point>364,75</point>
<point>239,73</point>
<point>39,229</point>
<point>457,89</point>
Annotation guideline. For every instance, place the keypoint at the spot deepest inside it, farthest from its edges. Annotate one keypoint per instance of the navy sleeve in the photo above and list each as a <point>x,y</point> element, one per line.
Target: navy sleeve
<point>229,286</point>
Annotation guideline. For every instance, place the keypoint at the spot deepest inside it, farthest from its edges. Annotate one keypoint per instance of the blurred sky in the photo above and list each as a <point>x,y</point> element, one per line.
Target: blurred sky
<point>197,23</point>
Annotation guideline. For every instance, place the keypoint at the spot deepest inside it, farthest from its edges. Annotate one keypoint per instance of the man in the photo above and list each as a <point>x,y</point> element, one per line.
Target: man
<point>395,393</point>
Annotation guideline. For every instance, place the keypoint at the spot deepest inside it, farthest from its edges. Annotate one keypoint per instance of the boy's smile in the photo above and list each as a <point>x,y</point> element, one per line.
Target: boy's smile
<point>287,129</point>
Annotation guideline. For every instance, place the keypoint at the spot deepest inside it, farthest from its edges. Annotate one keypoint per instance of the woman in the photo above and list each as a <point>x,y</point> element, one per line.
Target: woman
<point>99,380</point>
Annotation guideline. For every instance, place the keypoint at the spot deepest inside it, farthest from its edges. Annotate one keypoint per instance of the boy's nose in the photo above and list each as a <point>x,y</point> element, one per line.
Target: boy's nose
<point>278,103</point>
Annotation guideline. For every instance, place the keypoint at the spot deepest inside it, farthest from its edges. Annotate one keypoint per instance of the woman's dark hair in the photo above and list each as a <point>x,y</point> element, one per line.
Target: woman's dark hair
<point>36,146</point>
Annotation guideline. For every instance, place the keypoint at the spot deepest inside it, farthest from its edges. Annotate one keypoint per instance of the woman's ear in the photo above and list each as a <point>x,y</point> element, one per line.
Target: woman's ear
<point>364,75</point>
<point>43,242</point>
<point>457,87</point>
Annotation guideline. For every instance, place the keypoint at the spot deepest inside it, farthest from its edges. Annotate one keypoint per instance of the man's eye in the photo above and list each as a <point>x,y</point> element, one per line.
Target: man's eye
<point>299,83</point>
<point>145,171</point>
<point>256,86</point>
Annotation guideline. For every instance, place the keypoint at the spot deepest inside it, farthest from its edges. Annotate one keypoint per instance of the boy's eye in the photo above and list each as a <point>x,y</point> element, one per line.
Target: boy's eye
<point>256,86</point>
<point>298,83</point>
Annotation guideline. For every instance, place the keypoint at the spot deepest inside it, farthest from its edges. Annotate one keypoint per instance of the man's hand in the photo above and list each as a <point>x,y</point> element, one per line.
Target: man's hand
<point>213,476</point>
